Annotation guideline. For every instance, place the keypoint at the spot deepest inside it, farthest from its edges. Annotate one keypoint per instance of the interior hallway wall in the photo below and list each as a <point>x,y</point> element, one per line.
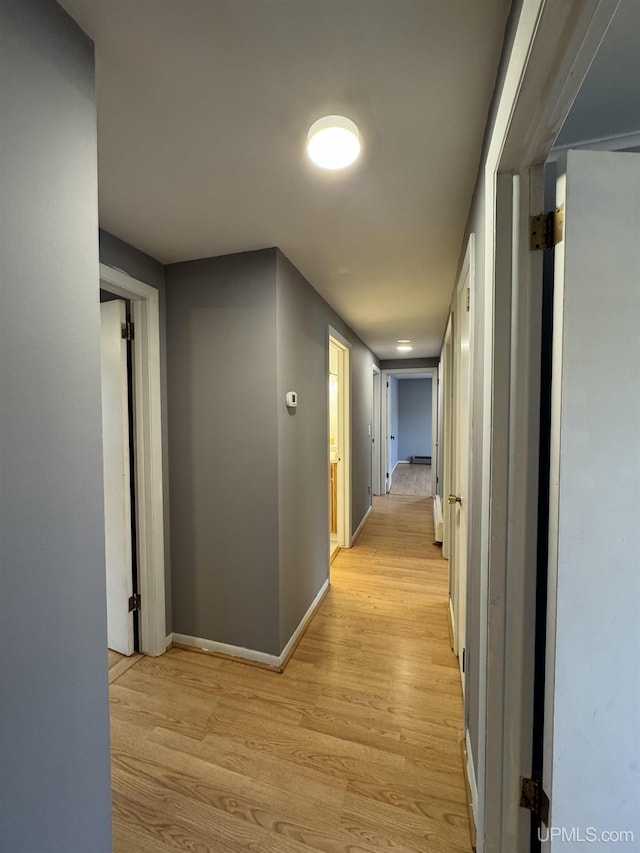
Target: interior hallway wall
<point>55,791</point>
<point>126,258</point>
<point>223,442</point>
<point>303,318</point>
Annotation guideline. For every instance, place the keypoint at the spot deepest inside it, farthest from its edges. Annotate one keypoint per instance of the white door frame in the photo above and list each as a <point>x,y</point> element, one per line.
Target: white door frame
<point>554,45</point>
<point>148,445</point>
<point>446,378</point>
<point>461,433</point>
<point>344,426</point>
<point>385,455</point>
<point>376,432</point>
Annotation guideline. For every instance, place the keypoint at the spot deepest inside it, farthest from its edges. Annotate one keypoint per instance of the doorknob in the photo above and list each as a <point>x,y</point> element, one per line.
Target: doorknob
<point>455,499</point>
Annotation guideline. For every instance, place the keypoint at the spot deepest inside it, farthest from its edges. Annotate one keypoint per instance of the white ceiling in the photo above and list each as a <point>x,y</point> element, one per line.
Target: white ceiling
<point>203,111</point>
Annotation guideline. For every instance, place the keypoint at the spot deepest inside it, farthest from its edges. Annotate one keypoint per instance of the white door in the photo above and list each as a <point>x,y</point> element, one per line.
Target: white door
<point>117,486</point>
<point>592,702</point>
<point>460,493</point>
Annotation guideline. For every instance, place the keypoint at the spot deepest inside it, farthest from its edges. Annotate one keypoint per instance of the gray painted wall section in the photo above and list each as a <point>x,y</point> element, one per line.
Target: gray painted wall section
<point>404,363</point>
<point>221,349</point>
<point>414,418</point>
<point>116,253</point>
<point>54,732</point>
<point>303,319</point>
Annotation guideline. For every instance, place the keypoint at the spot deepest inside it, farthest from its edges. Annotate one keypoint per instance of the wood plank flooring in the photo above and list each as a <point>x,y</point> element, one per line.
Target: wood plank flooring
<point>353,749</point>
<point>411,479</point>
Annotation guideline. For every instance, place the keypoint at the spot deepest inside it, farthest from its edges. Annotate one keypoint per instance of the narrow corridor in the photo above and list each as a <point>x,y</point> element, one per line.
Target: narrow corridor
<point>355,748</point>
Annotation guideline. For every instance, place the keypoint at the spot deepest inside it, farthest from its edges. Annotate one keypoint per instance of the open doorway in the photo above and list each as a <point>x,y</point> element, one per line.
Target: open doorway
<point>409,419</point>
<point>146,430</point>
<point>339,488</point>
<point>119,477</point>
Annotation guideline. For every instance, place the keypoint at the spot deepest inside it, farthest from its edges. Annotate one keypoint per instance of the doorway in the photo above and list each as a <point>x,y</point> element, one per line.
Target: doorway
<point>459,497</point>
<point>118,469</point>
<point>339,486</point>
<point>148,468</point>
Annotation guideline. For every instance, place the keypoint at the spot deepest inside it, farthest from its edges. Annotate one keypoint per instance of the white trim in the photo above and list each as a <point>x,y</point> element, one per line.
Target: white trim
<point>471,776</point>
<point>303,623</point>
<point>437,518</point>
<point>452,622</point>
<point>553,47</point>
<point>376,432</point>
<point>602,143</point>
<point>344,470</point>
<point>360,527</point>
<point>148,444</point>
<point>168,641</point>
<point>385,419</point>
<point>274,661</point>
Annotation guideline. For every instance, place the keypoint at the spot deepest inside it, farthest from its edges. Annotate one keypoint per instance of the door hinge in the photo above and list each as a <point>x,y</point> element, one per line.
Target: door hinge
<point>387,475</point>
<point>533,798</point>
<point>468,298</point>
<point>135,602</point>
<point>546,230</point>
<point>464,660</point>
<point>128,331</point>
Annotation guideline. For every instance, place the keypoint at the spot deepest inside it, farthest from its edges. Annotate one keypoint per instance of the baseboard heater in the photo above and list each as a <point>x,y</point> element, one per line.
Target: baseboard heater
<point>437,517</point>
<point>421,460</point>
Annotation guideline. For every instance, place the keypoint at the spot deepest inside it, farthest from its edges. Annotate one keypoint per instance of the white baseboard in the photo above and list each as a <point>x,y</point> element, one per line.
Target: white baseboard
<point>168,641</point>
<point>452,622</point>
<point>471,776</point>
<point>273,661</point>
<point>360,527</point>
<point>437,518</point>
<point>295,637</point>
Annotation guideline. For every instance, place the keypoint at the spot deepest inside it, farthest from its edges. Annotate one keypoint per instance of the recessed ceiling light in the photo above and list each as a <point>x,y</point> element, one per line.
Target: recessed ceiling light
<point>404,348</point>
<point>405,341</point>
<point>333,142</point>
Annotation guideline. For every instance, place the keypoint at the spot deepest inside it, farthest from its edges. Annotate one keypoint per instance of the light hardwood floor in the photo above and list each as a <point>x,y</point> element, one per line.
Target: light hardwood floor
<point>354,749</point>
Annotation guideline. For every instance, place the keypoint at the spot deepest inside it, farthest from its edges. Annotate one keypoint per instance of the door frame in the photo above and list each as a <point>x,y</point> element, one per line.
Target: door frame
<point>448,421</point>
<point>145,311</point>
<point>376,432</point>
<point>554,45</point>
<point>344,426</point>
<point>458,577</point>
<point>385,418</point>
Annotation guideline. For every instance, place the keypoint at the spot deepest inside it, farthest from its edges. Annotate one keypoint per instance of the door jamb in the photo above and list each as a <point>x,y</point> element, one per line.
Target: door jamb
<point>553,48</point>
<point>385,455</point>
<point>344,472</point>
<point>376,430</point>
<point>148,443</point>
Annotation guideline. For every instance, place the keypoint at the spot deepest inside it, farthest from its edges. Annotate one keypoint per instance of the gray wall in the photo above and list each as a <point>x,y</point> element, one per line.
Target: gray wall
<point>303,318</point>
<point>221,348</point>
<point>116,253</point>
<point>249,479</point>
<point>403,363</point>
<point>54,728</point>
<point>414,418</point>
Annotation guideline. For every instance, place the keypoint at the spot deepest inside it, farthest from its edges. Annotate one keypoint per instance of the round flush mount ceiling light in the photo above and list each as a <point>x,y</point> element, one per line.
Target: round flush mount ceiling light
<point>333,142</point>
<point>404,348</point>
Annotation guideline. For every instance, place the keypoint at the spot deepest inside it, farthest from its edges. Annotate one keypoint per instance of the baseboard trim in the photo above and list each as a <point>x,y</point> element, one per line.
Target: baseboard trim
<point>360,527</point>
<point>471,786</point>
<point>452,627</point>
<point>276,663</point>
<point>437,518</point>
<point>168,642</point>
<point>297,635</point>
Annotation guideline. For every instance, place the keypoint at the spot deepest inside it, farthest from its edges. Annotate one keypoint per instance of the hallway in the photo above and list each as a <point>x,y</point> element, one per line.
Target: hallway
<point>354,748</point>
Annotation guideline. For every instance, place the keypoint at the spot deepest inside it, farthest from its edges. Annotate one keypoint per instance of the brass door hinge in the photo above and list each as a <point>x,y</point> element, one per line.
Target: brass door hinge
<point>135,602</point>
<point>128,331</point>
<point>546,230</point>
<point>533,798</point>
